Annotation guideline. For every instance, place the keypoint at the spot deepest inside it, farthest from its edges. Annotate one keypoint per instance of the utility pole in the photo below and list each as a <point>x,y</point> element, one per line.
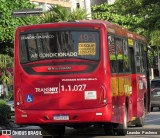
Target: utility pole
<point>87,4</point>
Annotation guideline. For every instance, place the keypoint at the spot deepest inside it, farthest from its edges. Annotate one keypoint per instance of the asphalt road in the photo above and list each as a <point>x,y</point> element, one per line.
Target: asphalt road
<point>151,129</point>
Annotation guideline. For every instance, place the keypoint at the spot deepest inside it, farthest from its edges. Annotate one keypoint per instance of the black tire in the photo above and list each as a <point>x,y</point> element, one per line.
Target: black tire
<point>151,109</point>
<point>121,129</point>
<point>139,122</point>
<point>46,133</point>
<point>50,131</point>
<point>108,129</point>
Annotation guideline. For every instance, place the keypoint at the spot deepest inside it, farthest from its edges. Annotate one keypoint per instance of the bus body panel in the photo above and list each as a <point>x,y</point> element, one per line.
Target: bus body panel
<point>139,91</point>
<point>121,88</point>
<point>60,93</point>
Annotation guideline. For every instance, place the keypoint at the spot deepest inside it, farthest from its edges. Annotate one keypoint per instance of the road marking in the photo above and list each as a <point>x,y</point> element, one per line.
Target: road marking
<point>152,120</point>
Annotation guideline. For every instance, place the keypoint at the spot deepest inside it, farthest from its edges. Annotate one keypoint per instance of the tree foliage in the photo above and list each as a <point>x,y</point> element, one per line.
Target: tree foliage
<point>112,14</point>
<point>5,113</point>
<point>55,14</point>
<point>148,11</point>
<point>6,62</point>
<point>78,14</point>
<point>8,24</point>
<point>58,13</point>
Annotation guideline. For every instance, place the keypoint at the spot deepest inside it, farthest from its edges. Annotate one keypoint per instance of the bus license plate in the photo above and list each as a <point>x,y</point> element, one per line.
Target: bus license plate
<point>61,117</point>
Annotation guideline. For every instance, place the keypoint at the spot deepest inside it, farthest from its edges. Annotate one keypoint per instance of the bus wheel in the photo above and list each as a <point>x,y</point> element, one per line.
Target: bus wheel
<point>108,129</point>
<point>151,109</point>
<point>51,131</point>
<point>139,122</point>
<point>121,129</point>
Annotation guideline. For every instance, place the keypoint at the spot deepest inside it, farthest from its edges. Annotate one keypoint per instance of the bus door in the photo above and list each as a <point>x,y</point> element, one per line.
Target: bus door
<point>147,79</point>
<point>141,76</point>
<point>139,83</point>
<point>134,86</point>
<point>148,100</point>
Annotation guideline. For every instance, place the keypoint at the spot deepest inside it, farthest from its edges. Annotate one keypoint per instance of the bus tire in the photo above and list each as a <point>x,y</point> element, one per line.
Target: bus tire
<point>108,129</point>
<point>139,122</point>
<point>51,131</point>
<point>121,129</point>
<point>151,109</point>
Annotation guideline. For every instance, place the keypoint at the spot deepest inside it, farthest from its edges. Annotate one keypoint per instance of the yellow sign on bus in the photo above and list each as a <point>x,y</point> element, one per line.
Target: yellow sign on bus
<point>87,49</point>
<point>130,42</point>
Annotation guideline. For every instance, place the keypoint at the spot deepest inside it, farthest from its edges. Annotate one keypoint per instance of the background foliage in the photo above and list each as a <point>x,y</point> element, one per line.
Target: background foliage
<point>59,13</point>
<point>5,112</point>
<point>6,64</point>
<point>8,24</point>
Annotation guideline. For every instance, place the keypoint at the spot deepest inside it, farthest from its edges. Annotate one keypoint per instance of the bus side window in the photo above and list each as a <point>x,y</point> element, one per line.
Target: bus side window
<point>112,54</point>
<point>29,53</point>
<point>23,52</point>
<point>143,49</point>
<point>43,43</point>
<point>126,56</point>
<point>138,57</point>
<point>33,51</point>
<point>119,54</point>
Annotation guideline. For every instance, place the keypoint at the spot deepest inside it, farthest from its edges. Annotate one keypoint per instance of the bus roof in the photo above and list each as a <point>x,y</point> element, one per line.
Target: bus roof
<point>111,28</point>
<point>117,29</point>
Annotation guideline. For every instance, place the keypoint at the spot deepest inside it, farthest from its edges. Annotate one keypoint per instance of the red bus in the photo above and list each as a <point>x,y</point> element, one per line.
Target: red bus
<point>79,74</point>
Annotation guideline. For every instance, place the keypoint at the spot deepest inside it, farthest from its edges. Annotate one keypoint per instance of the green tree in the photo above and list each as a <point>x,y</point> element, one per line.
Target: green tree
<point>8,24</point>
<point>6,63</point>
<point>78,14</point>
<point>147,11</point>
<point>58,13</point>
<point>5,76</point>
<point>111,14</point>
<point>55,14</point>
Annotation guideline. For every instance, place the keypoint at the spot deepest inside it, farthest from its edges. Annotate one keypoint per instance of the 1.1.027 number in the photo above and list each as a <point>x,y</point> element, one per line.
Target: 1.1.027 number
<point>80,87</point>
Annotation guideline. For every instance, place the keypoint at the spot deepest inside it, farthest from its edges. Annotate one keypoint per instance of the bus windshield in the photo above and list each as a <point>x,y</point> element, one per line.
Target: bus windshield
<point>42,45</point>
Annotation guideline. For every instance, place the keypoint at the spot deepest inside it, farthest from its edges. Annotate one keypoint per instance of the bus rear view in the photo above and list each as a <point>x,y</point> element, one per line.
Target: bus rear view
<point>59,75</point>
